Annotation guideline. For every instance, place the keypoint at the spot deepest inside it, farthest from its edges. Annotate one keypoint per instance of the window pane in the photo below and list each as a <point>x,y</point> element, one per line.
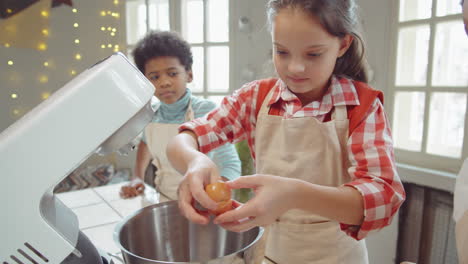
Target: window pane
<point>136,20</point>
<point>218,69</point>
<point>415,9</point>
<point>218,17</point>
<point>412,57</point>
<point>159,14</point>
<point>450,55</point>
<point>448,7</point>
<point>446,124</point>
<point>217,99</point>
<point>192,19</point>
<point>408,120</point>
<point>198,70</point>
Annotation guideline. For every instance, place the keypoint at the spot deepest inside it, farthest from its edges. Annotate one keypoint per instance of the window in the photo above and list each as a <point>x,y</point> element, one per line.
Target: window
<point>203,23</point>
<point>430,84</point>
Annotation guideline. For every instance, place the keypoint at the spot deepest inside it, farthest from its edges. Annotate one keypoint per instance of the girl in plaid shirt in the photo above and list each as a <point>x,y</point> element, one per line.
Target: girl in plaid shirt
<point>325,169</point>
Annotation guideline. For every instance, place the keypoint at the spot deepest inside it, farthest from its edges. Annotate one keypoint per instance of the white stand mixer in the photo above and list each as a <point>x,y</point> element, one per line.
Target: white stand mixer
<point>100,111</point>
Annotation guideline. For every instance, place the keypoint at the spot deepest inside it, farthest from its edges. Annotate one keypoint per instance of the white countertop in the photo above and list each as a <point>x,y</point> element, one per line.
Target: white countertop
<point>99,209</point>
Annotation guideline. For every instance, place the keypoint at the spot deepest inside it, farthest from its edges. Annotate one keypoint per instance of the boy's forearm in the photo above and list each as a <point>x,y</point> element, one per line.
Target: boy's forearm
<point>142,161</point>
<point>181,150</point>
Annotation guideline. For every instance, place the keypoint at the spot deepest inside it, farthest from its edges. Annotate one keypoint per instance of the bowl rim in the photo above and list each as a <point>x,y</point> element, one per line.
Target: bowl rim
<point>121,223</point>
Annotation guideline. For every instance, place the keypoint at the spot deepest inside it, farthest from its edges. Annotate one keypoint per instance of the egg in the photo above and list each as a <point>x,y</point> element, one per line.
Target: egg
<point>220,193</point>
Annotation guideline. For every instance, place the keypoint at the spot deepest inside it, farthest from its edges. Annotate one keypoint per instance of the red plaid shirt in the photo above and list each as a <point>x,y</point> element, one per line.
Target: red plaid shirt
<point>370,146</point>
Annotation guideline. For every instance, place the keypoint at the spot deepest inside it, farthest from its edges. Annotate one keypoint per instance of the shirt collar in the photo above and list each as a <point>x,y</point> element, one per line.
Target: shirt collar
<point>340,92</point>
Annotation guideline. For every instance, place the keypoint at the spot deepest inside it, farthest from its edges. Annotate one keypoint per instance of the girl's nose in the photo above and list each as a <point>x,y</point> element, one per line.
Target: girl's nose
<point>296,66</point>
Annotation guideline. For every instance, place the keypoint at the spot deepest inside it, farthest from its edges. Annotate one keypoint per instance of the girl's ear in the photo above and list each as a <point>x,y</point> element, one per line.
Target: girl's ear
<point>346,42</point>
<point>189,76</point>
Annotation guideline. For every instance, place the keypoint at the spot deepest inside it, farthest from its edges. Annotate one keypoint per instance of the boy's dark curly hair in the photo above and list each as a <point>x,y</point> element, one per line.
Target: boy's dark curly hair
<point>159,44</point>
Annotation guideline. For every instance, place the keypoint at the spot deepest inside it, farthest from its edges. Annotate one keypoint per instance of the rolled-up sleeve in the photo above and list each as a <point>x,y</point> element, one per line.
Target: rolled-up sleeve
<point>373,172</point>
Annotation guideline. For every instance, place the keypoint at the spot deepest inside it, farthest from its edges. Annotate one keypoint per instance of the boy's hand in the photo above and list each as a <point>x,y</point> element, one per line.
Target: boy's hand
<point>132,189</point>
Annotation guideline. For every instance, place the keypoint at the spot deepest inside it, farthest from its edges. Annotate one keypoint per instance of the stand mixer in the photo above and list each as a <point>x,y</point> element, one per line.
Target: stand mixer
<point>99,111</point>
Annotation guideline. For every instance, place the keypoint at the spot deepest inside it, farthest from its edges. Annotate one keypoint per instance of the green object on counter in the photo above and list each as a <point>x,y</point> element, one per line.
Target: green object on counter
<point>247,167</point>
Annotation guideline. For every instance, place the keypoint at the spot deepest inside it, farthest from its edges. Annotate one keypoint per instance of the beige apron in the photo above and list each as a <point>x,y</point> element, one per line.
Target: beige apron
<point>157,136</point>
<point>306,149</point>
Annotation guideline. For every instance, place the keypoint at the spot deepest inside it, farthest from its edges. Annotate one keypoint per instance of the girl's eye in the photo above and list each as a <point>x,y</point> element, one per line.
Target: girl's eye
<point>280,52</point>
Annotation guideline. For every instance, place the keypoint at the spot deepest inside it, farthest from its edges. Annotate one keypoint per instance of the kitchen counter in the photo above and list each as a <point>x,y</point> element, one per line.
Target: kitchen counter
<point>99,209</point>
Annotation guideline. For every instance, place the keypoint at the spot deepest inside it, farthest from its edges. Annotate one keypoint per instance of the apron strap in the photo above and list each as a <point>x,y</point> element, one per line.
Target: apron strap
<point>340,113</point>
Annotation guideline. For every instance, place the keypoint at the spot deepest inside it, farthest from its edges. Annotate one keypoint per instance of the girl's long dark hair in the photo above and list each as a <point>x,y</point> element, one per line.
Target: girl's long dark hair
<point>339,17</point>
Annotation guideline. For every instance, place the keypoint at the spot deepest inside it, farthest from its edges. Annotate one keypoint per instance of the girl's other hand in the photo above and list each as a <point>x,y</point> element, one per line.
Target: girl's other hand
<point>200,172</point>
<point>274,196</point>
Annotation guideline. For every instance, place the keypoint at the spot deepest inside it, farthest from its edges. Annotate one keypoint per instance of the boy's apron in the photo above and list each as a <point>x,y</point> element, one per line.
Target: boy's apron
<point>157,136</point>
<point>309,150</point>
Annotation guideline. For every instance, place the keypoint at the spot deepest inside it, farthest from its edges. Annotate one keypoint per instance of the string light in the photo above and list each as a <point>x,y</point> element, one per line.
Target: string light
<point>116,2</point>
<point>112,34</point>
<point>76,25</point>
<point>103,28</point>
<point>16,112</point>
<point>43,79</point>
<point>14,96</point>
<point>45,95</point>
<point>41,46</point>
<point>103,46</point>
<point>74,10</point>
<point>77,41</point>
<point>45,32</point>
<point>72,72</point>
<point>78,56</point>
<point>103,13</point>
<point>46,64</point>
<point>7,45</point>
<point>9,11</point>
<point>44,13</point>
<point>10,62</point>
<point>109,45</point>
<point>114,30</point>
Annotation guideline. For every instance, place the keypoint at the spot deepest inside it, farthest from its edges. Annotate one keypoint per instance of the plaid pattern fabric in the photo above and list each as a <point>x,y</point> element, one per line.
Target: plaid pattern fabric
<point>370,146</point>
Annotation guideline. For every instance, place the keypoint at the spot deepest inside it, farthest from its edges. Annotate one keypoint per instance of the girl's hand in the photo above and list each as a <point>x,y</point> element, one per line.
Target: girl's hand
<point>201,171</point>
<point>274,196</point>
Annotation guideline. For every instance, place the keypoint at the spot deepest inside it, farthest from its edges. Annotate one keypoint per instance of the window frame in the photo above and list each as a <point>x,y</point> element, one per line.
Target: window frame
<point>422,158</point>
<point>175,24</point>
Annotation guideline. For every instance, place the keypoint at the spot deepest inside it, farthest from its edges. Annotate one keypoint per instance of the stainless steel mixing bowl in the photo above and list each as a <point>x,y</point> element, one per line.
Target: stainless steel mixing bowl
<point>160,234</point>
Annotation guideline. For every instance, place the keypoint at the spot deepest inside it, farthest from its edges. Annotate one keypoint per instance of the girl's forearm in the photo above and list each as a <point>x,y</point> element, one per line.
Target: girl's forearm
<point>143,159</point>
<point>182,149</point>
<point>343,204</point>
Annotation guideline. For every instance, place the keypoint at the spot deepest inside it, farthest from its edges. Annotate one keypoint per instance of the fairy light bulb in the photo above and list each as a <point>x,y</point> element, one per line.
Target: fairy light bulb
<point>109,45</point>
<point>16,112</point>
<point>72,72</point>
<point>43,79</point>
<point>45,95</point>
<point>45,32</point>
<point>78,56</point>
<point>77,41</point>
<point>103,28</point>
<point>9,11</point>
<point>103,13</point>
<point>116,2</point>
<point>44,13</point>
<point>74,10</point>
<point>41,46</point>
<point>103,46</point>
<point>46,64</point>
<point>10,62</point>
<point>76,25</point>
<point>112,34</point>
<point>7,45</point>
<point>14,96</point>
